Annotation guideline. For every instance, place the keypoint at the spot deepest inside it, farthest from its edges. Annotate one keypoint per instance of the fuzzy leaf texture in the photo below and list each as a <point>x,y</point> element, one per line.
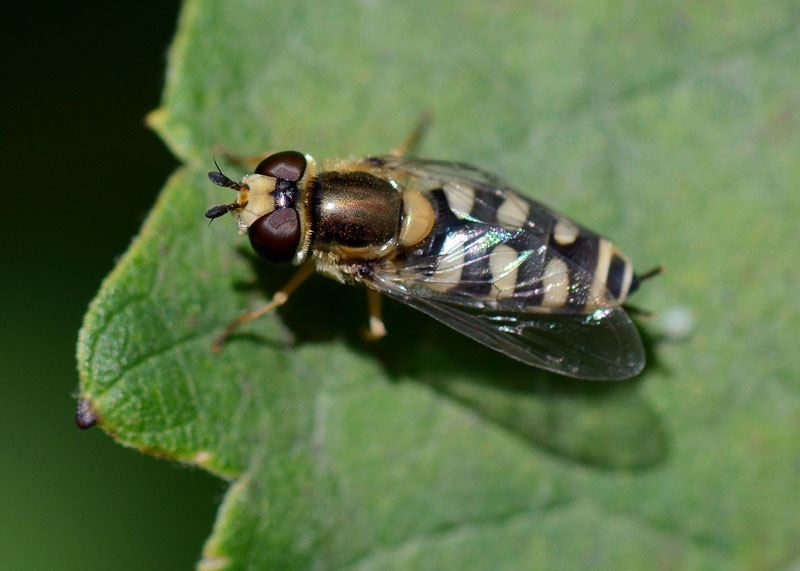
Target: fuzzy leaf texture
<point>672,128</point>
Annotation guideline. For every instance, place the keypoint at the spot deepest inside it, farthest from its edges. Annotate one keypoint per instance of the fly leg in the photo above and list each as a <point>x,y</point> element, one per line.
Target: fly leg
<point>277,300</point>
<point>639,278</point>
<point>407,147</point>
<point>637,281</point>
<point>376,327</point>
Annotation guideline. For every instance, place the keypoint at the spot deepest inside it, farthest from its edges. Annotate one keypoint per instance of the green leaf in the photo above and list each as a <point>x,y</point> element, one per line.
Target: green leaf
<point>671,128</point>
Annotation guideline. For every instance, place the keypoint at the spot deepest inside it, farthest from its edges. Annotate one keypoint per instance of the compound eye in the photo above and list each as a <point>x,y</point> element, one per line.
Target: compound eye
<point>288,165</point>
<point>276,236</point>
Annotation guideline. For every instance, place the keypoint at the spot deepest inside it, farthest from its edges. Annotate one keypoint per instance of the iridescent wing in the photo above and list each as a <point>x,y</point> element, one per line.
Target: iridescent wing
<point>489,272</point>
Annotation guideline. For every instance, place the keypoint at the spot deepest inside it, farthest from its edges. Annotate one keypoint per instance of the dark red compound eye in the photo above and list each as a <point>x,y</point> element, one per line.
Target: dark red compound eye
<point>288,165</point>
<point>276,236</point>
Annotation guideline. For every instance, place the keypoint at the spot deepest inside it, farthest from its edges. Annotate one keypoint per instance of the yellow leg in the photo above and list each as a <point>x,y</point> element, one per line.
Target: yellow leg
<point>411,143</point>
<point>376,326</point>
<point>278,300</point>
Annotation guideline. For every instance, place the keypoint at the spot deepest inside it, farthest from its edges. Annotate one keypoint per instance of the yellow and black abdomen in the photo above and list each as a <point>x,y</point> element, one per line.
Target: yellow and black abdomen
<point>493,248</point>
<point>610,270</point>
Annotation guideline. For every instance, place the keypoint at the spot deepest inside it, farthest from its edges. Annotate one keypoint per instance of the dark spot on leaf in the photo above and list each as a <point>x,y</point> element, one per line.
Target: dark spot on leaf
<point>85,417</point>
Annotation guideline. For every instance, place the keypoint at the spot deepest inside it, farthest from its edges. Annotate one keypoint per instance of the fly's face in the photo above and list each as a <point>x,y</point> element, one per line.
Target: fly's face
<point>271,205</point>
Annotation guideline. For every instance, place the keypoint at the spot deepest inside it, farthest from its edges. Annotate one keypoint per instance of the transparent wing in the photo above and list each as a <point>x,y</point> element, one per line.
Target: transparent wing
<point>482,190</point>
<point>488,273</point>
<point>603,345</point>
<point>440,171</point>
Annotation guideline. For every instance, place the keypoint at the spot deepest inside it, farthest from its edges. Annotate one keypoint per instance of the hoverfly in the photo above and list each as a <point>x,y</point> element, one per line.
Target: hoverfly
<point>452,241</point>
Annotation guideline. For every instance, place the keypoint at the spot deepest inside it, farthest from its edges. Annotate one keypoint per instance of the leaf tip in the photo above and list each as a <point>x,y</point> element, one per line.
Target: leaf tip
<point>85,417</point>
<point>156,119</point>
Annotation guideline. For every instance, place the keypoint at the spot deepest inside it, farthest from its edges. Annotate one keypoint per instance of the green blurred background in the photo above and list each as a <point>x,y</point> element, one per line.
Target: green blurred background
<point>82,170</point>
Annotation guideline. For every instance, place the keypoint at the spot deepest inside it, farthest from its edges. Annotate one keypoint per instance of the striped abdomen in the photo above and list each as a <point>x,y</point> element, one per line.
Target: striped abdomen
<point>493,247</point>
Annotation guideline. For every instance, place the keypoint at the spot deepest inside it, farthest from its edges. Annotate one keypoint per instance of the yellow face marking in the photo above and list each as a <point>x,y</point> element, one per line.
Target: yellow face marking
<point>555,283</point>
<point>460,198</point>
<point>565,232</point>
<point>256,189</point>
<point>513,213</point>
<point>504,264</point>
<point>449,265</point>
